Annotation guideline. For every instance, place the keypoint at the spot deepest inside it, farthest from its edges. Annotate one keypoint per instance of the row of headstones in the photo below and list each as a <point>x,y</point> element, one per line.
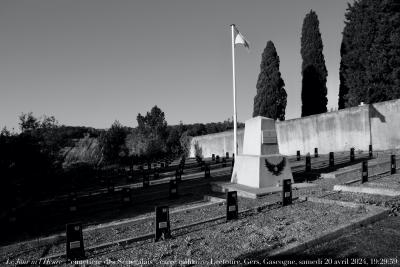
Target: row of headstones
<point>75,247</point>
<point>331,157</point>
<point>364,168</point>
<point>298,156</point>
<point>127,192</point>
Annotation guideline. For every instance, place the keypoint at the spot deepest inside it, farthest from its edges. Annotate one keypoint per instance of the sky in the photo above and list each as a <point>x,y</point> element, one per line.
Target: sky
<point>91,62</point>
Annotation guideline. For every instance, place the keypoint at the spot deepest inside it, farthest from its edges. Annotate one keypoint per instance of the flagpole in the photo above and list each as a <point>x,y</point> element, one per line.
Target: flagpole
<point>234,92</point>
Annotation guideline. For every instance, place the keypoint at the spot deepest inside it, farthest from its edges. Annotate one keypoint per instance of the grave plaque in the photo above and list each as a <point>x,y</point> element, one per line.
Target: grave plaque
<point>178,174</point>
<point>352,154</point>
<point>316,152</point>
<point>126,196</point>
<point>287,192</point>
<point>364,172</point>
<point>162,223</point>
<point>75,248</point>
<point>173,189</point>
<point>370,151</point>
<point>213,157</point>
<point>308,163</point>
<point>156,174</point>
<point>231,206</point>
<point>146,180</point>
<point>130,175</point>
<point>223,162</point>
<point>73,207</point>
<point>207,173</point>
<point>392,164</point>
<point>331,160</point>
<point>298,155</point>
<point>227,155</point>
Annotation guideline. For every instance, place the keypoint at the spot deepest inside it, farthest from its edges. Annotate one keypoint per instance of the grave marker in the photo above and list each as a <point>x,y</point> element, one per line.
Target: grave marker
<point>316,152</point>
<point>364,172</point>
<point>162,223</point>
<point>126,196</point>
<point>223,162</point>
<point>207,173</point>
<point>73,207</point>
<point>370,151</point>
<point>146,180</point>
<point>231,206</point>
<point>286,192</point>
<point>156,174</point>
<point>352,154</point>
<point>331,160</point>
<point>392,164</point>
<point>308,163</point>
<point>298,155</point>
<point>75,248</point>
<point>217,159</point>
<point>130,176</point>
<point>213,157</point>
<point>173,189</point>
<point>178,174</point>
<point>227,155</point>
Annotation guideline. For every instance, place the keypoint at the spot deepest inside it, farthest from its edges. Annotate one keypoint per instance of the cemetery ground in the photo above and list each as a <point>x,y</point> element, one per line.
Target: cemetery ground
<point>265,231</point>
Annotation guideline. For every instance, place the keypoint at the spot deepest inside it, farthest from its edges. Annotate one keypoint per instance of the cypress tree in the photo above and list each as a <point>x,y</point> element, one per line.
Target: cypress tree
<point>313,93</point>
<point>270,100</point>
<point>371,61</point>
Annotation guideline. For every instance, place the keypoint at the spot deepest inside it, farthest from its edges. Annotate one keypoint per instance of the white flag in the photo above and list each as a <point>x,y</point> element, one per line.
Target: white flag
<point>239,39</point>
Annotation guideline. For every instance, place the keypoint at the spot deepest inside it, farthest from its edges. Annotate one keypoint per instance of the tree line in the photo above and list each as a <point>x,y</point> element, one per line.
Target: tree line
<point>369,68</point>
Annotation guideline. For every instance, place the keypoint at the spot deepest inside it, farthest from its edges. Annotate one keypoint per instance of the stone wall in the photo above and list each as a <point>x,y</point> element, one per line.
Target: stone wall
<point>331,132</point>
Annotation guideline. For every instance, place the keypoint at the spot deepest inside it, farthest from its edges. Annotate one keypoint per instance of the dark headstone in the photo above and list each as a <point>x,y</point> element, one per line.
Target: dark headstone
<point>213,157</point>
<point>146,180</point>
<point>207,173</point>
<point>173,188</point>
<point>217,159</point>
<point>178,174</point>
<point>316,152</point>
<point>126,196</point>
<point>231,206</point>
<point>352,157</point>
<point>130,175</point>
<point>162,223</point>
<point>73,206</point>
<point>223,162</point>
<point>298,155</point>
<point>370,151</point>
<point>156,174</point>
<point>331,160</point>
<point>162,165</point>
<point>392,164</point>
<point>308,163</point>
<point>286,192</point>
<point>227,155</point>
<point>364,172</point>
<point>75,248</point>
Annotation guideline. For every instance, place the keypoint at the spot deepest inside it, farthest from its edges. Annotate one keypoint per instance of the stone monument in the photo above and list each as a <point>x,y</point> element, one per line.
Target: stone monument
<point>261,165</point>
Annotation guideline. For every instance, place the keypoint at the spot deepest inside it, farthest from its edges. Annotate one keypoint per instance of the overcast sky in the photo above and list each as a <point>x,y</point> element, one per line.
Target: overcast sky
<point>90,62</point>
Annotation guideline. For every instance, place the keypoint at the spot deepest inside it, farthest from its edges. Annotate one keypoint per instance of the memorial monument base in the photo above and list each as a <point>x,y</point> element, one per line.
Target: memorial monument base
<point>261,171</point>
